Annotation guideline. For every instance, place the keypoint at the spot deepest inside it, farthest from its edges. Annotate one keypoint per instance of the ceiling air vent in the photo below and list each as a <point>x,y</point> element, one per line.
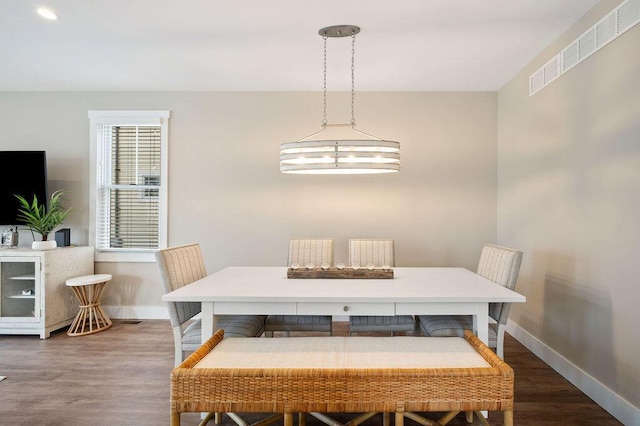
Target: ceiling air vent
<point>551,70</point>
<point>628,14</point>
<point>587,44</point>
<point>545,75</point>
<point>570,56</point>
<point>536,81</point>
<point>619,20</point>
<point>606,29</point>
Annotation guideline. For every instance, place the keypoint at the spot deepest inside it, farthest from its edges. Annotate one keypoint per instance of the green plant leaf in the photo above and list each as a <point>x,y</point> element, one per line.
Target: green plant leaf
<point>37,218</point>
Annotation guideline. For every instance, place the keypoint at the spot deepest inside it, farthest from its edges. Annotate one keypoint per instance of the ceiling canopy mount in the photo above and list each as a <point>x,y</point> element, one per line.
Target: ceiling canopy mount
<point>339,31</point>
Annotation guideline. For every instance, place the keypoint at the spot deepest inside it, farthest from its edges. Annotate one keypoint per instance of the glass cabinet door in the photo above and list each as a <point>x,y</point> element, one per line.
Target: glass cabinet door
<point>18,288</point>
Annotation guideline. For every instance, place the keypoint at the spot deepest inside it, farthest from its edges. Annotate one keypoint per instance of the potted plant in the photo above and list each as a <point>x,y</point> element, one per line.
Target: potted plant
<point>41,220</point>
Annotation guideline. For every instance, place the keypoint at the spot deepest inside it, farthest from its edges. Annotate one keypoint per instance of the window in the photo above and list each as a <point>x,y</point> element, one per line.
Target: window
<point>128,184</point>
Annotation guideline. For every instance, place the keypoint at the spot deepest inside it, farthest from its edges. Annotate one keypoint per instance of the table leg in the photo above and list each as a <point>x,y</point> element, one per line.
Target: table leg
<point>481,323</point>
<point>208,320</point>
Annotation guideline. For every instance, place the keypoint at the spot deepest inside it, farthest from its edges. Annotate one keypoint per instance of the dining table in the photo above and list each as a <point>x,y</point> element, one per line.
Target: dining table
<point>266,290</point>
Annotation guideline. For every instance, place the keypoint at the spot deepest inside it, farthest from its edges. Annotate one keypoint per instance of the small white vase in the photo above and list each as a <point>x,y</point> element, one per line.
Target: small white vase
<point>44,245</point>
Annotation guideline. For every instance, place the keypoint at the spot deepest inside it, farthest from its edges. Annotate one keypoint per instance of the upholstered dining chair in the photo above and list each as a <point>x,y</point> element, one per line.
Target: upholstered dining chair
<point>377,253</point>
<point>183,265</point>
<point>500,265</point>
<point>303,252</point>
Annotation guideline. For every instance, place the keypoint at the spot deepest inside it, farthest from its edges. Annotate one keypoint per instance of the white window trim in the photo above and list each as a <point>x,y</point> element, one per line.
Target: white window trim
<point>129,117</point>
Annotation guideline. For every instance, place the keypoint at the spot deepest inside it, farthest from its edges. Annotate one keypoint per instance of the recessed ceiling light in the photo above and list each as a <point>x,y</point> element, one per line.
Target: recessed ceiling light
<point>47,13</point>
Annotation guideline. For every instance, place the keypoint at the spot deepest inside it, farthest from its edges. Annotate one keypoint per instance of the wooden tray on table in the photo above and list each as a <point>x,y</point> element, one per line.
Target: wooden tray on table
<point>342,273</point>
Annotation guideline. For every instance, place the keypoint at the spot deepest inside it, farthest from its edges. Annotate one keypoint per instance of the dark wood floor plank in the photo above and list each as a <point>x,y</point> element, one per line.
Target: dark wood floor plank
<point>121,377</point>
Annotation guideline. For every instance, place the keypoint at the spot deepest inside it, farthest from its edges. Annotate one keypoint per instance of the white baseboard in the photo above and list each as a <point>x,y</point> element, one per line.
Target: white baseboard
<point>616,405</point>
<point>137,312</point>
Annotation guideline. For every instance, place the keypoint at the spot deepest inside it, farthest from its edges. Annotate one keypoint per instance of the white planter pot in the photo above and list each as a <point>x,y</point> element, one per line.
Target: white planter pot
<point>44,245</point>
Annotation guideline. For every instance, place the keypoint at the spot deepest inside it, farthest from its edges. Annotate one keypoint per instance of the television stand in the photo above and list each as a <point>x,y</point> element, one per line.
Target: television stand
<point>33,296</point>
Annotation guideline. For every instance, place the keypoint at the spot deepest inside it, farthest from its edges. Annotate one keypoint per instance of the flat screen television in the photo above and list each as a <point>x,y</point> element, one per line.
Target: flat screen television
<point>24,173</point>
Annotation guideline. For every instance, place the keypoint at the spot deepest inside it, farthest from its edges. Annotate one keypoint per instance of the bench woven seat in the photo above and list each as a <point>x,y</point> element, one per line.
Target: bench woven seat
<point>342,375</point>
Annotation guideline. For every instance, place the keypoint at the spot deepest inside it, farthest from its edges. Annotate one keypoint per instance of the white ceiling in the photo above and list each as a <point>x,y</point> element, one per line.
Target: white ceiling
<point>158,45</point>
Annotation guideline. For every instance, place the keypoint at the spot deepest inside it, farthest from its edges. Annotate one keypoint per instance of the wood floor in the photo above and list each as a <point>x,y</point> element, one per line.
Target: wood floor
<point>121,377</point>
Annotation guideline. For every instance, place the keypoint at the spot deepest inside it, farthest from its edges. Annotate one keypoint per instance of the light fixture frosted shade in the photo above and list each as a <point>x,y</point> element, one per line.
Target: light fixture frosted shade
<point>340,157</point>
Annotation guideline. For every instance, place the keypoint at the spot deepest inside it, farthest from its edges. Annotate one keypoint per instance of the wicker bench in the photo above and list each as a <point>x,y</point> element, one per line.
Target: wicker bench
<point>401,375</point>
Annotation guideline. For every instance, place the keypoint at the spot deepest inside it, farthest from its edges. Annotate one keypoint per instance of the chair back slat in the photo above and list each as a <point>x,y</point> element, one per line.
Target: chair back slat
<point>500,265</point>
<point>180,266</point>
<point>303,251</point>
<point>376,252</point>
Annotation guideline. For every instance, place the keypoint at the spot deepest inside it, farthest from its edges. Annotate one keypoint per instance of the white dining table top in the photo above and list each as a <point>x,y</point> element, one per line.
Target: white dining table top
<point>270,284</point>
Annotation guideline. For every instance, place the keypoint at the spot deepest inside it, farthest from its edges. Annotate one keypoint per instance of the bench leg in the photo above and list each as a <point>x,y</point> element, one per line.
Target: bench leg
<point>302,419</point>
<point>482,418</point>
<point>386,418</point>
<point>363,418</point>
<point>508,418</point>
<point>399,418</point>
<point>206,419</point>
<point>469,416</point>
<point>237,419</point>
<point>175,419</point>
<point>288,419</point>
<point>447,417</point>
<point>325,419</point>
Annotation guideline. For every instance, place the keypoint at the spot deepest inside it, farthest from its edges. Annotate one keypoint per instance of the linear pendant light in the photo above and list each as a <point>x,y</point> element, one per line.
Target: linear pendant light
<point>360,153</point>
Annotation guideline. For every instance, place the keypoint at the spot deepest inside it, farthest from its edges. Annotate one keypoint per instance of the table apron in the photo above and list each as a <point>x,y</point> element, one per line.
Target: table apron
<point>348,308</point>
<point>442,308</point>
<point>479,311</point>
<point>254,308</point>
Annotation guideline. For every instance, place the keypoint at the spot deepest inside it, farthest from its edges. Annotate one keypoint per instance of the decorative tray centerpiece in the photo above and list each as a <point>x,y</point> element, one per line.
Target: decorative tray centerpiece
<point>340,272</point>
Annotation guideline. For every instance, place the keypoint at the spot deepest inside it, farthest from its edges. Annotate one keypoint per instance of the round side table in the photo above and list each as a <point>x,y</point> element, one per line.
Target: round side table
<point>91,318</point>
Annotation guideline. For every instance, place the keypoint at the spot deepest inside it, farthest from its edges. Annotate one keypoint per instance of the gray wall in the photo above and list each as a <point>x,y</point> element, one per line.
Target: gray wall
<point>569,196</point>
<point>226,191</point>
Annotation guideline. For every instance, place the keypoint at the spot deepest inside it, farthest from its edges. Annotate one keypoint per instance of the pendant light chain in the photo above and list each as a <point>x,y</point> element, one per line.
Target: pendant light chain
<point>324,95</point>
<point>353,79</point>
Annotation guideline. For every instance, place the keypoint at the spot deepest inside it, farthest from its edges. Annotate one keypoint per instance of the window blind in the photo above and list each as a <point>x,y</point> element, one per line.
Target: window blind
<point>128,178</point>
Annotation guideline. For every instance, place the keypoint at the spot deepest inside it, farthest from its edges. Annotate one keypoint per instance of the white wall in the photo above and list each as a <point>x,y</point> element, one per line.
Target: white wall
<point>226,191</point>
<point>569,196</point>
